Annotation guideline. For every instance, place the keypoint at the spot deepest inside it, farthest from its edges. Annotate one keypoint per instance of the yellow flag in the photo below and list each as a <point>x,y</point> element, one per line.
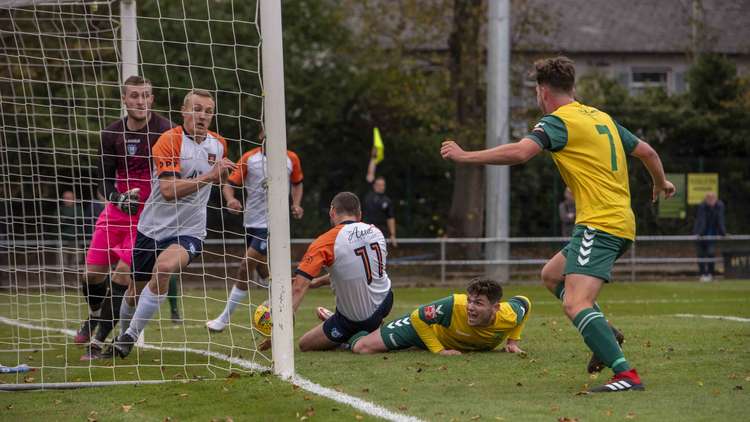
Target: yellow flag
<point>377,145</point>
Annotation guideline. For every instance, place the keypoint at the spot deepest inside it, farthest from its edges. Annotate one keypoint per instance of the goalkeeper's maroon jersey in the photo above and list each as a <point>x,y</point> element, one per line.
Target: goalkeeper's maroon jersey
<point>126,163</point>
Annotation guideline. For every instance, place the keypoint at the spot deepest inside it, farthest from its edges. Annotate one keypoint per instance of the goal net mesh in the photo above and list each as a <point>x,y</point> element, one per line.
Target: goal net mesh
<point>60,82</point>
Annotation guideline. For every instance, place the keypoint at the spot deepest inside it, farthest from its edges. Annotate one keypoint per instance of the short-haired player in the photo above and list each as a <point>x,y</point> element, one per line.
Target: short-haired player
<point>125,169</point>
<point>251,174</point>
<point>188,160</point>
<point>354,253</point>
<point>473,321</point>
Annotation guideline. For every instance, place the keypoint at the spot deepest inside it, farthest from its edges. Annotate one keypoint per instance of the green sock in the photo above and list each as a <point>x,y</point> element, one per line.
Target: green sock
<point>355,338</point>
<point>172,293</point>
<point>560,294</point>
<point>598,336</point>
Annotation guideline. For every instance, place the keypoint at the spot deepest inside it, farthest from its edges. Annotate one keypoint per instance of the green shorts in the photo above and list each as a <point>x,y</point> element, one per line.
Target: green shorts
<point>399,334</point>
<point>593,252</point>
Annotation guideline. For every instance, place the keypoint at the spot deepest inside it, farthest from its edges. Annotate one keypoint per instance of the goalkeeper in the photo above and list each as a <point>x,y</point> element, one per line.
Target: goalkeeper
<point>475,321</point>
<point>126,181</point>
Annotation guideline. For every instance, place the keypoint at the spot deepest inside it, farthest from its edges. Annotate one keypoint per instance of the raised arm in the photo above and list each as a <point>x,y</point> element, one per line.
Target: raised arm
<point>651,160</point>
<point>508,154</point>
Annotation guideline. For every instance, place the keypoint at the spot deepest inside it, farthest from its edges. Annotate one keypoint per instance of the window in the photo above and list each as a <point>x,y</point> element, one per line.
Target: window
<point>642,79</point>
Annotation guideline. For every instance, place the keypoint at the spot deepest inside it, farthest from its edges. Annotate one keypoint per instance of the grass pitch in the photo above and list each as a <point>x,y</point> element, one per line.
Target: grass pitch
<point>694,368</point>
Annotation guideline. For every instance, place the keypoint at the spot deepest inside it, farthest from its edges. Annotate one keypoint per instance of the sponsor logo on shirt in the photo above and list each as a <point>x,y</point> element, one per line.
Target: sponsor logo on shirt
<point>358,234</point>
<point>335,333</point>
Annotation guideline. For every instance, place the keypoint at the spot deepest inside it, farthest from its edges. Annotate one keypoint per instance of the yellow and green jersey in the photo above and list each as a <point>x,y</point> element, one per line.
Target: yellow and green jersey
<point>443,324</point>
<point>589,148</point>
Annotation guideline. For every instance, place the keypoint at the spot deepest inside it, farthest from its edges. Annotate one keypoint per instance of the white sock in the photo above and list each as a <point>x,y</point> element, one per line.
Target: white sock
<point>235,298</point>
<point>126,314</point>
<point>148,305</point>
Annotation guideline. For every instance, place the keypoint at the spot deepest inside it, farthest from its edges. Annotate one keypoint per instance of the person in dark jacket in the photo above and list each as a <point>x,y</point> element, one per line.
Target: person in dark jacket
<point>709,221</point>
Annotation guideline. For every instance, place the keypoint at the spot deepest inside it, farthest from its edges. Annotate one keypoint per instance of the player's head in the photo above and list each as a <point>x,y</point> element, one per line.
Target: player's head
<point>379,184</point>
<point>555,78</point>
<point>137,97</point>
<point>483,301</point>
<point>344,206</point>
<point>198,111</point>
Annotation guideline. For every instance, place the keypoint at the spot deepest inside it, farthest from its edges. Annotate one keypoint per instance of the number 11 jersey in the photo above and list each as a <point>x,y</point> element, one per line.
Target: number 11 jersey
<point>354,254</point>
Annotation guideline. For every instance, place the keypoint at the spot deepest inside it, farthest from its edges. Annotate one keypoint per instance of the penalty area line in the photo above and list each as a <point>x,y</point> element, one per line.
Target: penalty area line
<point>364,406</point>
<point>724,317</point>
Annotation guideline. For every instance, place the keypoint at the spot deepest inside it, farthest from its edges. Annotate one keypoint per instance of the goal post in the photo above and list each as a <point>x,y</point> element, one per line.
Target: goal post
<point>279,253</point>
<point>62,63</point>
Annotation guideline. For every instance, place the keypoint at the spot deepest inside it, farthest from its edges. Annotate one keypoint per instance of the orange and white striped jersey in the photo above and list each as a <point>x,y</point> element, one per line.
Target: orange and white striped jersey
<point>355,255</point>
<point>177,154</point>
<point>251,173</point>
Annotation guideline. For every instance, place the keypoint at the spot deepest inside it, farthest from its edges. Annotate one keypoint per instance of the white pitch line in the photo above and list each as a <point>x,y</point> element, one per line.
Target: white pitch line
<point>355,402</point>
<point>726,317</point>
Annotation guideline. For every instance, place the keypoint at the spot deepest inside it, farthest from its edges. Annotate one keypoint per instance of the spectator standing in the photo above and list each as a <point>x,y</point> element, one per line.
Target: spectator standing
<point>567,210</point>
<point>378,210</point>
<point>709,221</point>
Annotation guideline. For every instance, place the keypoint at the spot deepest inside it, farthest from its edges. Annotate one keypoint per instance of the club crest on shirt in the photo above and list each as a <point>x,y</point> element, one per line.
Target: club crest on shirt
<point>132,145</point>
<point>429,312</point>
<point>212,159</point>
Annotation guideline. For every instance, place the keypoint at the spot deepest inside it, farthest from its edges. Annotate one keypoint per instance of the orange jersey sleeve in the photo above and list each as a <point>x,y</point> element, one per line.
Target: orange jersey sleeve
<point>296,176</point>
<point>319,254</point>
<point>166,152</point>
<point>237,177</point>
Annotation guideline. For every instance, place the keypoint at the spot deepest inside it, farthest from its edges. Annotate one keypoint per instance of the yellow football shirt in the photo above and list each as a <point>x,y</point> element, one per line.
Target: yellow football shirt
<point>443,324</point>
<point>589,149</point>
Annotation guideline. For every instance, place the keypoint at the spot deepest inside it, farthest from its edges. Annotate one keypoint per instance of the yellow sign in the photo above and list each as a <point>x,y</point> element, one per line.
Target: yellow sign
<point>699,184</point>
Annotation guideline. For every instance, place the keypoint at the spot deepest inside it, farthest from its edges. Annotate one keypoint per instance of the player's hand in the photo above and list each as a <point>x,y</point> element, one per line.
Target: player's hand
<point>667,188</point>
<point>127,202</point>
<point>512,347</point>
<point>221,169</point>
<point>394,242</point>
<point>297,212</point>
<point>449,352</point>
<point>450,150</point>
<point>234,206</point>
<point>265,345</point>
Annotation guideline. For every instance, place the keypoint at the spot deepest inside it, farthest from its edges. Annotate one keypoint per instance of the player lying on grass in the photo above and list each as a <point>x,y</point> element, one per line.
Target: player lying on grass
<point>590,150</point>
<point>251,174</point>
<point>474,321</point>
<point>188,160</point>
<point>354,253</point>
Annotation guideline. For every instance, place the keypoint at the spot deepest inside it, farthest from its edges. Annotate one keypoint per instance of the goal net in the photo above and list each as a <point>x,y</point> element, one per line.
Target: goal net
<point>62,64</point>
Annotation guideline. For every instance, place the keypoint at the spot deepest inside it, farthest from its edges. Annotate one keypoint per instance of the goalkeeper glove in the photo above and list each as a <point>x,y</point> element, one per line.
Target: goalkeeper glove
<point>127,202</point>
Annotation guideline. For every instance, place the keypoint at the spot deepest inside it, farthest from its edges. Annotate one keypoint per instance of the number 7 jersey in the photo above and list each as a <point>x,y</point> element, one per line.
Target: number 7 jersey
<point>354,254</point>
<point>589,148</point>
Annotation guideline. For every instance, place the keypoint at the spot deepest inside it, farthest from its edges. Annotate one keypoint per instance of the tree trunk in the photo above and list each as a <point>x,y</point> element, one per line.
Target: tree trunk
<point>466,217</point>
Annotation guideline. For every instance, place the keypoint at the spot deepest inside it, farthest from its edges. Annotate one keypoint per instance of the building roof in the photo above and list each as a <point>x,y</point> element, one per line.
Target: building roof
<point>634,26</point>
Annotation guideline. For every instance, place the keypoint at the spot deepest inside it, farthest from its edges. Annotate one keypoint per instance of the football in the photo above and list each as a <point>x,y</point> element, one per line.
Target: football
<point>262,319</point>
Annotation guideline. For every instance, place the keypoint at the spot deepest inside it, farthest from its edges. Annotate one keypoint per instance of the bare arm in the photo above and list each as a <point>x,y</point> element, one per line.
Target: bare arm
<point>173,188</point>
<point>299,287</point>
<point>651,160</point>
<point>297,210</point>
<point>392,230</point>
<point>233,203</point>
<point>508,154</point>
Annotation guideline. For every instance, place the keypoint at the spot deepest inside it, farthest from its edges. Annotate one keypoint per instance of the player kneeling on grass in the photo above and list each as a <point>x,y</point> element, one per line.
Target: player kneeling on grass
<point>475,321</point>
<point>355,255</point>
<point>188,160</point>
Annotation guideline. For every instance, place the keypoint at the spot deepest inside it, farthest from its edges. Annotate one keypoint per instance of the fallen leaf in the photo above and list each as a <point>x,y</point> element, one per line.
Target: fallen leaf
<point>295,387</point>
<point>365,390</point>
<point>404,389</point>
<point>737,388</point>
<point>183,394</point>
<point>233,375</point>
<point>28,379</point>
<point>554,408</point>
<point>630,415</point>
<point>307,398</point>
<point>402,407</point>
<point>9,407</point>
<point>700,383</point>
<point>518,384</point>
<point>476,417</point>
<point>567,419</point>
<point>58,401</point>
<point>167,419</point>
<point>499,418</point>
<point>141,401</point>
<point>304,418</point>
<point>310,412</point>
<point>358,417</point>
<point>608,412</point>
<point>92,416</point>
<point>126,408</point>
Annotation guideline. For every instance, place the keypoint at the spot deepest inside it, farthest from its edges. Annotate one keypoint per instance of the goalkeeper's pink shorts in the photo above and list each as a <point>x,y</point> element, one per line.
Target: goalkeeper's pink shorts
<point>113,238</point>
